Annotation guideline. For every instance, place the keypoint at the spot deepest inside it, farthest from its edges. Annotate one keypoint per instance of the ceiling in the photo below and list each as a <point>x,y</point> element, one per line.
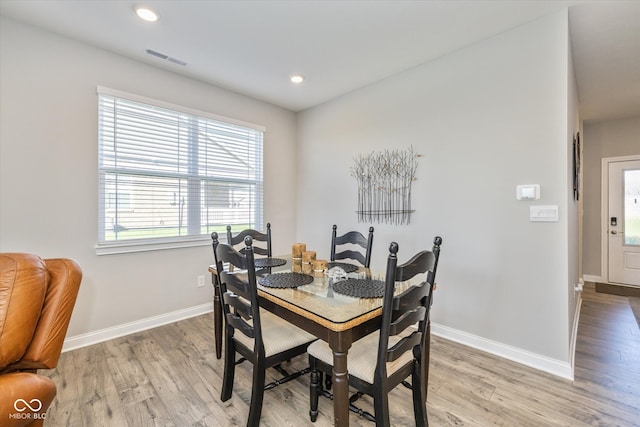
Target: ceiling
<point>252,47</point>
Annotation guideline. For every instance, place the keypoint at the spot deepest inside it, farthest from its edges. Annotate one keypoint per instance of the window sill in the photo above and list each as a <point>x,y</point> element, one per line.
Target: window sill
<point>147,245</point>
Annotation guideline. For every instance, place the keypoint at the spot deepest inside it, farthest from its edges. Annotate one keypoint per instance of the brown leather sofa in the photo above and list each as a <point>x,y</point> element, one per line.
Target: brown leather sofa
<point>36,300</point>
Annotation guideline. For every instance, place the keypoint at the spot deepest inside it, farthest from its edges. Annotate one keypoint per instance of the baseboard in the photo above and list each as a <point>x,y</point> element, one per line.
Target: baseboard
<point>106,334</point>
<point>534,360</point>
<point>593,279</point>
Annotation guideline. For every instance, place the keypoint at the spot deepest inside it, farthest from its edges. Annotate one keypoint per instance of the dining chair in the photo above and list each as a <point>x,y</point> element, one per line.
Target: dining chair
<point>257,236</point>
<point>258,336</point>
<point>237,242</point>
<point>384,359</point>
<point>352,238</point>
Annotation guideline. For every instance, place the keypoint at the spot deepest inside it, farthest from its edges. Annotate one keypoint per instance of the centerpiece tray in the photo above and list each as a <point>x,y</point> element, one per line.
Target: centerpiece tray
<point>269,262</point>
<point>285,280</point>
<point>360,288</point>
<point>348,268</point>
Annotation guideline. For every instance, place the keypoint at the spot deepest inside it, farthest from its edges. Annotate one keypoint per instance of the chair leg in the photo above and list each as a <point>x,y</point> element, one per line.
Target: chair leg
<point>229,370</point>
<point>419,397</point>
<point>315,388</point>
<point>427,352</point>
<point>381,407</point>
<point>257,395</point>
<point>218,309</point>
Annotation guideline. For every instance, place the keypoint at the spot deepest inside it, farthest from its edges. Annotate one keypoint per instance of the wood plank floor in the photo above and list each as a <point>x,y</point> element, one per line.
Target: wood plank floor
<point>169,376</point>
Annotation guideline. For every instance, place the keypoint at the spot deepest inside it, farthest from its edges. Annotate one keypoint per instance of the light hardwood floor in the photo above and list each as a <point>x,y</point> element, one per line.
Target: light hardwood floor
<point>169,376</point>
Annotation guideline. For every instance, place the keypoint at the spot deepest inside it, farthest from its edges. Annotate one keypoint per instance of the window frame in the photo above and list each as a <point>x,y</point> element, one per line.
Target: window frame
<point>107,247</point>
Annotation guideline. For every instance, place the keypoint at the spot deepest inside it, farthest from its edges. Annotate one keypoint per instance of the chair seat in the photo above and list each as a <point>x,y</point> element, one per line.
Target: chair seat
<point>362,359</point>
<point>278,335</point>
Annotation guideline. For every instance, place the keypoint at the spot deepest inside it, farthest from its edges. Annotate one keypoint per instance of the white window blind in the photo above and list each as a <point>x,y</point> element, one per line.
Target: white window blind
<point>169,173</point>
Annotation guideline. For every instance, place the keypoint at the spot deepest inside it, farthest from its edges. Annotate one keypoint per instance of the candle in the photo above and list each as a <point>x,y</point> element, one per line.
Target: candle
<point>319,266</point>
<point>308,256</point>
<point>296,265</point>
<point>297,249</point>
<point>307,268</point>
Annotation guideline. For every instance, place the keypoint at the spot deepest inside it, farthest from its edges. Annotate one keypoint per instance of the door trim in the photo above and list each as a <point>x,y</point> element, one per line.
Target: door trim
<point>604,212</point>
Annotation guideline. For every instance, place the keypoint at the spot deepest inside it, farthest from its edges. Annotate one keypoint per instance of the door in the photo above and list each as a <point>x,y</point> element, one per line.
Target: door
<point>624,222</point>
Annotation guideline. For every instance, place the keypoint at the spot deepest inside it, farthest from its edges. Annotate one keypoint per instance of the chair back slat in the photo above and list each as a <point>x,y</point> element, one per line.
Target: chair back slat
<point>235,282</point>
<point>422,262</point>
<point>239,324</point>
<point>240,307</point>
<point>226,253</point>
<point>410,298</point>
<point>349,254</point>
<point>404,345</point>
<point>406,319</point>
<point>353,238</point>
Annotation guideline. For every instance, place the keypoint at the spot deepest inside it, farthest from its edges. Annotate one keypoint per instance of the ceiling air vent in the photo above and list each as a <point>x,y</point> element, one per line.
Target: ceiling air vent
<point>176,61</point>
<point>166,57</point>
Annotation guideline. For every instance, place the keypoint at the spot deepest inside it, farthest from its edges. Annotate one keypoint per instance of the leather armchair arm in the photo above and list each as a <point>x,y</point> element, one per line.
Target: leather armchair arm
<point>23,289</point>
<point>20,392</point>
<point>44,350</point>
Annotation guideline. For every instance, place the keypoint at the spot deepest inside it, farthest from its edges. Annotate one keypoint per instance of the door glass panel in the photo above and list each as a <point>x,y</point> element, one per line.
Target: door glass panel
<point>632,207</point>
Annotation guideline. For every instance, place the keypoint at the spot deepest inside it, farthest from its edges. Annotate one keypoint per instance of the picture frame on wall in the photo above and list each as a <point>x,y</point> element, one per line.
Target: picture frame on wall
<point>576,167</point>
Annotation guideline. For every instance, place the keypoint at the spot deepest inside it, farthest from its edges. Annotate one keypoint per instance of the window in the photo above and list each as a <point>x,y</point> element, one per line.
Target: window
<point>169,176</point>
<point>631,179</point>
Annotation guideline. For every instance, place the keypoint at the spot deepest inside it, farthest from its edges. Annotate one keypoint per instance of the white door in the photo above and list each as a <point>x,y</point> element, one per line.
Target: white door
<point>624,222</point>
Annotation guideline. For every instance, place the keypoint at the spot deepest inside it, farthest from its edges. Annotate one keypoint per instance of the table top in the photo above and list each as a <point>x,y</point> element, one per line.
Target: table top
<point>317,301</point>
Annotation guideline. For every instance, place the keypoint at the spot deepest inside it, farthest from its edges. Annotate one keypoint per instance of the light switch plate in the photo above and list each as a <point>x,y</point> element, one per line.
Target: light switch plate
<point>547,213</point>
<point>528,192</point>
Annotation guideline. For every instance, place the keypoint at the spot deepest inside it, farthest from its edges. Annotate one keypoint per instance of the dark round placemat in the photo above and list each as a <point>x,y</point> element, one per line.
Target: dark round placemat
<point>285,280</point>
<point>348,268</point>
<point>269,262</point>
<point>360,288</point>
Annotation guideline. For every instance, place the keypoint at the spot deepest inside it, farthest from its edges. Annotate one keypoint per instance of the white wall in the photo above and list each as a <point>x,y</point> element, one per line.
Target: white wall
<point>48,172</point>
<point>486,118</point>
<point>574,207</point>
<point>612,138</point>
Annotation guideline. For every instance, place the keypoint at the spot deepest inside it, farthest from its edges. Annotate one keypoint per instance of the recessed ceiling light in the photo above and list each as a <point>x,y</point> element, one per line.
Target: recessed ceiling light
<point>146,13</point>
<point>297,78</point>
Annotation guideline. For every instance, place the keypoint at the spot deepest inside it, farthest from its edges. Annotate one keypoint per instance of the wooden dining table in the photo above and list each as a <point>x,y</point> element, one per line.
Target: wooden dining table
<point>336,318</point>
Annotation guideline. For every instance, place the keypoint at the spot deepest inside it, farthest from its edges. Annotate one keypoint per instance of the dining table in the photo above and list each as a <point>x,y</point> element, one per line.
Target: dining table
<point>337,308</point>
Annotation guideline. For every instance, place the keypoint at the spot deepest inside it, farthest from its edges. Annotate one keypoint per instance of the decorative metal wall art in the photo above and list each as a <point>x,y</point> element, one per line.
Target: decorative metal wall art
<point>384,185</point>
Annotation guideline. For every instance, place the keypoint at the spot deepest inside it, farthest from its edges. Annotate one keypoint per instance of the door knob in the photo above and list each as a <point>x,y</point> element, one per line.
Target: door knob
<point>614,232</point>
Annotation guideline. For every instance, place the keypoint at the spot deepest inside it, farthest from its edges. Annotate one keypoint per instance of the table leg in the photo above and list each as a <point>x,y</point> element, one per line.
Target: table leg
<point>340,348</point>
<point>217,315</point>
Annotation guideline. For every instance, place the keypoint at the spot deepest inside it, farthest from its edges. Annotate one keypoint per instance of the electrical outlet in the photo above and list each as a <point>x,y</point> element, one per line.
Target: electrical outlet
<point>200,281</point>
